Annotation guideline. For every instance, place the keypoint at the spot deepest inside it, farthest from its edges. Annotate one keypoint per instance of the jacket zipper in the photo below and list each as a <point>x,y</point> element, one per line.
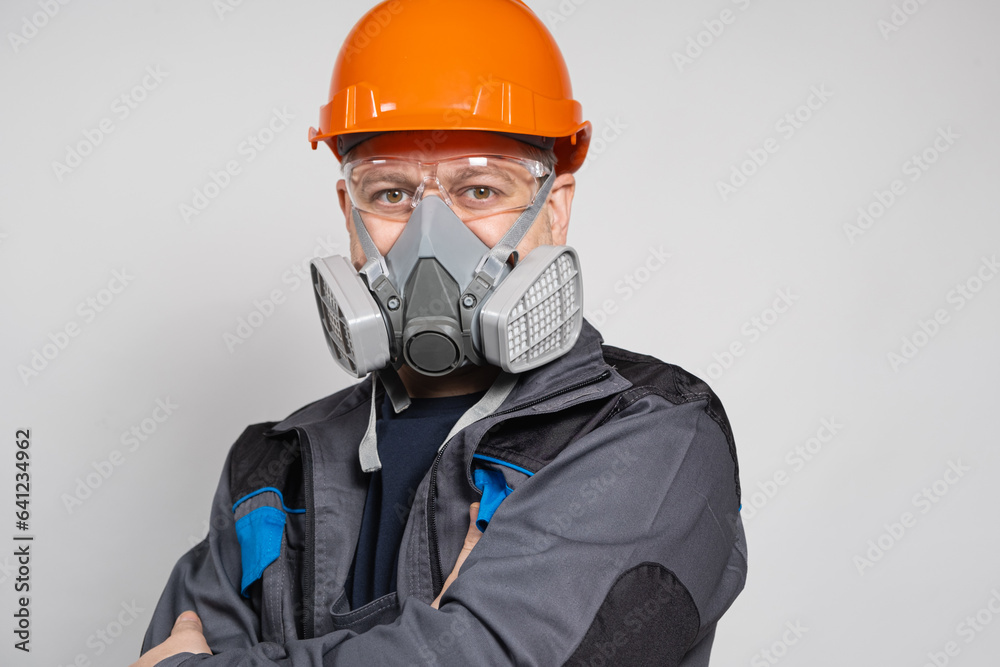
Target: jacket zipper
<point>309,555</point>
<point>437,574</point>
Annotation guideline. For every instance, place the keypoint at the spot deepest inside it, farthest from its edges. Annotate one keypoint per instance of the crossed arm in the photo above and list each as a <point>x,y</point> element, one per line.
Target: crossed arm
<point>188,634</point>
<point>630,534</point>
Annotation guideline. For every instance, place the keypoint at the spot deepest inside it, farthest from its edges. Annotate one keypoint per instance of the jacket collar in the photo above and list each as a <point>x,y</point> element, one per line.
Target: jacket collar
<point>584,362</point>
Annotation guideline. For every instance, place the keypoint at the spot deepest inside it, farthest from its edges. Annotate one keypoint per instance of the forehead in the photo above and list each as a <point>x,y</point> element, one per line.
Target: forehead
<point>430,146</point>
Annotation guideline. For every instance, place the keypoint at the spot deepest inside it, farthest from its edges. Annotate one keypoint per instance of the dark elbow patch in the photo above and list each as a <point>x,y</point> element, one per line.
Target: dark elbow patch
<point>647,618</point>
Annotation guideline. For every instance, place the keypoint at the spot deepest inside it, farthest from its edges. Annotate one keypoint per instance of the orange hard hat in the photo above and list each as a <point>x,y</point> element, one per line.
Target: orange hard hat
<point>453,65</point>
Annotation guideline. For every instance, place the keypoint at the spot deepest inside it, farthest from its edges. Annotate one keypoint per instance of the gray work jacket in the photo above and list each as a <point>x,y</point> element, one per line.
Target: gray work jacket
<point>619,541</point>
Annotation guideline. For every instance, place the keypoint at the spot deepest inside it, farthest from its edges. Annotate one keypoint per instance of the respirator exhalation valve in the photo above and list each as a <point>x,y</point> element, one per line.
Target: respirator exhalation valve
<point>532,317</point>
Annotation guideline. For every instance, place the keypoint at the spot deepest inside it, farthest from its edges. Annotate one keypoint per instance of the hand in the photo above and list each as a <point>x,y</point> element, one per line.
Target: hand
<point>186,637</point>
<point>471,538</point>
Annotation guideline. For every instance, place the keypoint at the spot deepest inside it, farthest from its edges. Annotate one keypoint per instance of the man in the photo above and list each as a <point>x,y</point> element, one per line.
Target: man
<point>585,498</point>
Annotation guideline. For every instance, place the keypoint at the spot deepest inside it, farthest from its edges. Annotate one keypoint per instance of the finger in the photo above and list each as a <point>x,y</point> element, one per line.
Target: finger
<point>473,534</point>
<point>187,636</point>
<point>471,538</point>
<point>187,622</point>
<point>188,628</point>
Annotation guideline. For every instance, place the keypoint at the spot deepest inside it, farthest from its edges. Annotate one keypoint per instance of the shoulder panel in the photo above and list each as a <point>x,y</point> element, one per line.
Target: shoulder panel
<point>649,375</point>
<point>264,459</point>
<point>533,441</point>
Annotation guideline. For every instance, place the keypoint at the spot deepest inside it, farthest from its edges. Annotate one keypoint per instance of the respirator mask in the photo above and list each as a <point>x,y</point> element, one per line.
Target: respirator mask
<point>441,298</point>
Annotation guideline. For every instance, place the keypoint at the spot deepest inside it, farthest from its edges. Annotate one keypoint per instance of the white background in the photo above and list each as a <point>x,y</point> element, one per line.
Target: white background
<point>672,131</point>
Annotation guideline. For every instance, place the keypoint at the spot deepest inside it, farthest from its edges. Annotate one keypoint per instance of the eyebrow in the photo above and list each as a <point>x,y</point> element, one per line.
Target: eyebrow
<point>468,172</point>
<point>382,176</point>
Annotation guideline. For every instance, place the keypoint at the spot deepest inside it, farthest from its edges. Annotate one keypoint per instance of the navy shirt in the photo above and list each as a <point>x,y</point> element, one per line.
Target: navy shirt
<point>407,445</point>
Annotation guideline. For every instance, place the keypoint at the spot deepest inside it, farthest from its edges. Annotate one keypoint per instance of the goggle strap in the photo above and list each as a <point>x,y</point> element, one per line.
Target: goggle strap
<point>505,246</point>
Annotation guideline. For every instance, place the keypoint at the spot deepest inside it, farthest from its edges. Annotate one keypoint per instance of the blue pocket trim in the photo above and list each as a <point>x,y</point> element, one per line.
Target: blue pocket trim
<point>494,488</point>
<point>265,490</point>
<point>501,462</point>
<point>259,534</point>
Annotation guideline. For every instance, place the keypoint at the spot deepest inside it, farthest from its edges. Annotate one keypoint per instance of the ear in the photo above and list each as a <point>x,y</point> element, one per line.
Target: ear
<point>560,203</point>
<point>345,203</point>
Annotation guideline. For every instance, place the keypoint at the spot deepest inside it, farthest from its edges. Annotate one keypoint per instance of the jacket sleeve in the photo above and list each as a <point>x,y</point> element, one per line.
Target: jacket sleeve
<point>207,580</point>
<point>626,549</point>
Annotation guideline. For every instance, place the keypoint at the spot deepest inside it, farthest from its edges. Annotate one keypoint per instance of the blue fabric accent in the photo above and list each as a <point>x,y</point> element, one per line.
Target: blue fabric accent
<point>259,534</point>
<point>506,464</point>
<point>264,490</point>
<point>494,487</point>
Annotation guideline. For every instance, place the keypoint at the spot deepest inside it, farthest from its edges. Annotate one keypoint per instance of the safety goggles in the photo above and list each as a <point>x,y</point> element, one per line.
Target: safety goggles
<point>473,186</point>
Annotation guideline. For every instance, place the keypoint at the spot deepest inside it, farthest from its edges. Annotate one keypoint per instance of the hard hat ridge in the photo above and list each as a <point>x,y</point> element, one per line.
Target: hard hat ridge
<point>491,65</point>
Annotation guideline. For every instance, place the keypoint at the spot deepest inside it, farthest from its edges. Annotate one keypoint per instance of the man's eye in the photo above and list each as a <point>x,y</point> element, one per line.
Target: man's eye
<point>481,192</point>
<point>391,196</point>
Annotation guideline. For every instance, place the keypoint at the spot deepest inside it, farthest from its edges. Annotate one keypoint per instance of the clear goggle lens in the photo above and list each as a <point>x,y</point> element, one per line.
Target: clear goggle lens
<point>473,186</point>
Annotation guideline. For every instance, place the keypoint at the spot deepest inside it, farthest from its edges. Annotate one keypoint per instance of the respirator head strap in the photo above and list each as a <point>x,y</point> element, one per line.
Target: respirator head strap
<point>394,388</point>
<point>374,261</point>
<point>376,274</point>
<point>491,266</point>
